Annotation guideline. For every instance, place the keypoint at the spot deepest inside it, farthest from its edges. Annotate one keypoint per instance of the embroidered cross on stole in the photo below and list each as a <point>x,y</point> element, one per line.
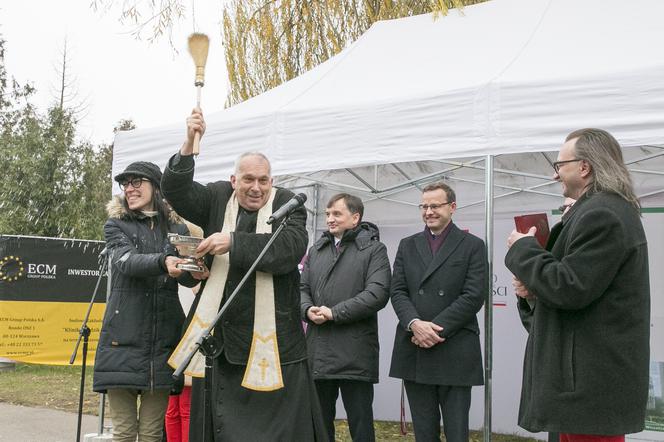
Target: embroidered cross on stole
<point>263,371</point>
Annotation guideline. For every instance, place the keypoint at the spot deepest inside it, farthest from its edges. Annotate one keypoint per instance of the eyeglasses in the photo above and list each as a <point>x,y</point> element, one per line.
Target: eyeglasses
<point>434,207</point>
<point>557,164</point>
<point>135,183</point>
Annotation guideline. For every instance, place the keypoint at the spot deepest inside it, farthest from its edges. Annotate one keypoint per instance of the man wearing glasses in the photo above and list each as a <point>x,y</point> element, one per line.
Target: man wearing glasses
<point>587,356</point>
<point>438,286</point>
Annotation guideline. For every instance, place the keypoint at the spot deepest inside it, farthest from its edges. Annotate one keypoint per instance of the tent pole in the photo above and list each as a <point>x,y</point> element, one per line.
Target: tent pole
<point>488,304</point>
<point>314,218</point>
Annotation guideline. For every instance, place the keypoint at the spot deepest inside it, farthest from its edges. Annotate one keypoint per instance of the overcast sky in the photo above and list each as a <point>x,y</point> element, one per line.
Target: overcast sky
<point>117,76</point>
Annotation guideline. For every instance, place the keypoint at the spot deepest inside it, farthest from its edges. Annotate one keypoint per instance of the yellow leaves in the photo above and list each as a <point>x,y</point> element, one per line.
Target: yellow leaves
<point>271,41</point>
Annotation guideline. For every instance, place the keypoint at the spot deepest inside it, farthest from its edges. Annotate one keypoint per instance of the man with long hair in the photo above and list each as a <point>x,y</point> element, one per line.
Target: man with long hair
<point>586,363</point>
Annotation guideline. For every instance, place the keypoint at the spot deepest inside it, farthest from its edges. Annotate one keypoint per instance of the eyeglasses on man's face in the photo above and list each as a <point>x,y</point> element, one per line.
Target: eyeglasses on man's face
<point>134,182</point>
<point>556,165</point>
<point>434,207</point>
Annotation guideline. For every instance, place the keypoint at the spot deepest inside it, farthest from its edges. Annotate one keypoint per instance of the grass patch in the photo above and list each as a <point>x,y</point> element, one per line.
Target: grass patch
<point>48,386</point>
<point>57,387</point>
<point>390,432</point>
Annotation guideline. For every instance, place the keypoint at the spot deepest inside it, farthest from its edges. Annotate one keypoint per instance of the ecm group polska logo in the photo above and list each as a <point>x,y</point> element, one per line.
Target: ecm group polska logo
<point>41,271</point>
<point>11,268</point>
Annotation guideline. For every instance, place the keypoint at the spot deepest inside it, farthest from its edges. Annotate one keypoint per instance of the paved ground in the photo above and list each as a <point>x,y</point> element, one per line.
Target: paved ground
<point>25,424</point>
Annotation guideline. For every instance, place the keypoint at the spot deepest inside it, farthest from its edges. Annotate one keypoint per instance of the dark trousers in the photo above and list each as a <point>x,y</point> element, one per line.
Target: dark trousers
<point>427,402</point>
<point>357,397</point>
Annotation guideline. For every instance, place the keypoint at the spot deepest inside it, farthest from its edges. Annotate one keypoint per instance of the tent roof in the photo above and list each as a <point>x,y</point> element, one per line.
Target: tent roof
<point>506,76</point>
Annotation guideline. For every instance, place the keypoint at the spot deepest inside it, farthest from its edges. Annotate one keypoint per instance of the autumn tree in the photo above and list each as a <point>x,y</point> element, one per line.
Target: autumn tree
<point>270,42</point>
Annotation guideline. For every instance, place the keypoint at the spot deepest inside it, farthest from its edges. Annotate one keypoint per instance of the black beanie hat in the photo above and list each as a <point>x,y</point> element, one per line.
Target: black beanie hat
<point>142,169</point>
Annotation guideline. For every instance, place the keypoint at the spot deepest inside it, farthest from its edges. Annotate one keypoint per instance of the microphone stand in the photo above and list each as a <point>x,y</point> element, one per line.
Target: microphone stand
<point>84,333</point>
<point>206,343</point>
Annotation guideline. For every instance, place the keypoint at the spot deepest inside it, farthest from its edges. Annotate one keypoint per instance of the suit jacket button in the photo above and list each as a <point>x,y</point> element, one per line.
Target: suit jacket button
<point>421,292</point>
<point>441,293</point>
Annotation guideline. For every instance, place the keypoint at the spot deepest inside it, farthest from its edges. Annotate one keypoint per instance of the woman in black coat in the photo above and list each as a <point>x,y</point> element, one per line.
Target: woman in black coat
<point>143,317</point>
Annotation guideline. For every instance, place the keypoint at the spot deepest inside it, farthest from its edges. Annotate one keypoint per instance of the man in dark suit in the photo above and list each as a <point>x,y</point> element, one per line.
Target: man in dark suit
<point>438,285</point>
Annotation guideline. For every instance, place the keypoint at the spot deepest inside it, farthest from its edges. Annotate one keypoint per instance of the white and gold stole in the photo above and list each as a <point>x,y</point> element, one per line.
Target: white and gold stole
<point>263,372</point>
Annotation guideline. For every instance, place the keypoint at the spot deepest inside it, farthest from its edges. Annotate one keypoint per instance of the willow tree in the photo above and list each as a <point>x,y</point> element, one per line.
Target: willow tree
<point>270,42</point>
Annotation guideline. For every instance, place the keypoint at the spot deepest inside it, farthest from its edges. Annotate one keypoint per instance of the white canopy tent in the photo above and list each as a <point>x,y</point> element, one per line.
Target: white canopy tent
<point>507,76</point>
<point>503,77</point>
<point>420,99</point>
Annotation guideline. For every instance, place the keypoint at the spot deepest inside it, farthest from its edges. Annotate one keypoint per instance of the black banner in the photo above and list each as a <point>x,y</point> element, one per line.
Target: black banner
<point>50,269</point>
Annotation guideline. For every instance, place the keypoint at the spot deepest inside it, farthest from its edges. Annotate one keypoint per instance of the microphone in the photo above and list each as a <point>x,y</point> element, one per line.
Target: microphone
<point>288,208</point>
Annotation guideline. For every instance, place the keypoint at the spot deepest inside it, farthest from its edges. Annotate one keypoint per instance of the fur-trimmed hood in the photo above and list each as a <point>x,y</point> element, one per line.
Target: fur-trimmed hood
<point>116,209</point>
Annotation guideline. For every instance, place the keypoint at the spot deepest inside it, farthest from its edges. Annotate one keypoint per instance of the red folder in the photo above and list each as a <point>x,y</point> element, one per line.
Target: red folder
<point>525,222</point>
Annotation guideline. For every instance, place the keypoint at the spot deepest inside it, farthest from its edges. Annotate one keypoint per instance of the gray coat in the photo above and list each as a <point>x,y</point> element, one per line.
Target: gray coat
<point>354,282</point>
<point>587,357</point>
